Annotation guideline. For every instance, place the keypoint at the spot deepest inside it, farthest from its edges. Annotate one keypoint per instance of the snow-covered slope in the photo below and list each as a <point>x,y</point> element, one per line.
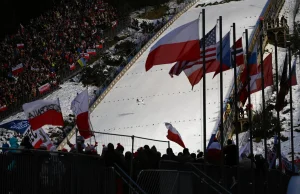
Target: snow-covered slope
<point>170,99</point>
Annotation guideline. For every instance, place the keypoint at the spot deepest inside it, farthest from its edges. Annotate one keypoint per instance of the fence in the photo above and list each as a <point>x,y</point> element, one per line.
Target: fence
<point>43,172</point>
<point>105,88</point>
<point>212,174</point>
<point>130,142</point>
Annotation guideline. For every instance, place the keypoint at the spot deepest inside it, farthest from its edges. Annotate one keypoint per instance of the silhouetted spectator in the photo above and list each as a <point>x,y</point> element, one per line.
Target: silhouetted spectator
<point>230,153</point>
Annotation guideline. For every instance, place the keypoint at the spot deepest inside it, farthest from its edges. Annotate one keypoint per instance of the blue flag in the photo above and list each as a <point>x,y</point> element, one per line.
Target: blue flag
<point>19,126</point>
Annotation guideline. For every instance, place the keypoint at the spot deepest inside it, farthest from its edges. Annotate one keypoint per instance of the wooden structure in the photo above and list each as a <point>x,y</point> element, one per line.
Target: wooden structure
<point>279,29</point>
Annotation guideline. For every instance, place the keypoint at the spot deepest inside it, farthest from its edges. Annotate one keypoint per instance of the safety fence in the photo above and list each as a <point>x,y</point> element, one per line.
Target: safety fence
<point>270,11</point>
<point>212,177</point>
<point>106,87</point>
<point>60,173</point>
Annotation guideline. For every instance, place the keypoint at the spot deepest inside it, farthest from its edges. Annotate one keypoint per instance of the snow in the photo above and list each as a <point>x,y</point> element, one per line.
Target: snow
<point>167,99</point>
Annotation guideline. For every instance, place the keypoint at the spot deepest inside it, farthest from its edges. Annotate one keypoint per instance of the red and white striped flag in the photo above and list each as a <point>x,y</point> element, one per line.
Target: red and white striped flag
<point>72,67</point>
<point>44,88</point>
<point>3,108</point>
<point>80,107</point>
<point>193,69</point>
<point>91,51</point>
<point>17,69</point>
<point>43,112</point>
<point>20,45</point>
<point>173,135</point>
<point>38,137</point>
<point>99,46</point>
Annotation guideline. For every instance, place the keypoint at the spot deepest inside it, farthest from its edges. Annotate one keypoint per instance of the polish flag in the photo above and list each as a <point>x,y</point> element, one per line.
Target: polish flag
<point>80,107</point>
<point>43,112</point>
<point>173,135</point>
<point>38,137</point>
<point>91,51</point>
<point>72,67</point>
<point>99,46</point>
<point>86,56</point>
<point>3,108</point>
<point>17,69</point>
<point>20,45</point>
<point>182,41</point>
<point>44,88</point>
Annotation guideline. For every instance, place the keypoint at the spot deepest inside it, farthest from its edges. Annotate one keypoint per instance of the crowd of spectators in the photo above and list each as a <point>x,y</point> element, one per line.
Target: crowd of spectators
<point>42,51</point>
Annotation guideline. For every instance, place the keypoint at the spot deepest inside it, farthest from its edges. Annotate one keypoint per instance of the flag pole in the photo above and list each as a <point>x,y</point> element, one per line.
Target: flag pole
<point>291,107</point>
<point>236,103</point>
<point>277,111</point>
<point>204,84</point>
<point>263,94</point>
<point>221,95</point>
<point>262,86</point>
<point>249,111</point>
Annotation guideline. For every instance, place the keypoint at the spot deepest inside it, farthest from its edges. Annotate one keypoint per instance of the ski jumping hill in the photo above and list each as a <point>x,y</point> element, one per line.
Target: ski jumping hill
<point>167,99</point>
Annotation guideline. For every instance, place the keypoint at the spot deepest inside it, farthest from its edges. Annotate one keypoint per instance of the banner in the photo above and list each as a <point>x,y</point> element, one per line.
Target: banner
<point>38,137</point>
<point>44,88</point>
<point>19,126</point>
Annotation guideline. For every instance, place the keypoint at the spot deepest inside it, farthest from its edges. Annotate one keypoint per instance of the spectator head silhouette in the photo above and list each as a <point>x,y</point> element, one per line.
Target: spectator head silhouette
<point>229,142</point>
<point>186,151</point>
<point>193,155</point>
<point>153,148</point>
<point>120,148</point>
<point>200,155</point>
<point>110,147</point>
<point>169,151</point>
<point>128,156</point>
<point>180,154</point>
<point>146,147</point>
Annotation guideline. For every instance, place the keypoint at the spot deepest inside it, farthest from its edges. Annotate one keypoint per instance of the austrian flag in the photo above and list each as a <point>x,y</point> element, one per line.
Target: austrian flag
<point>173,135</point>
<point>43,112</point>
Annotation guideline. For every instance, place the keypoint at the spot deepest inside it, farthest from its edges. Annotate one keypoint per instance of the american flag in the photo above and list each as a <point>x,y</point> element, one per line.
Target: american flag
<point>210,54</point>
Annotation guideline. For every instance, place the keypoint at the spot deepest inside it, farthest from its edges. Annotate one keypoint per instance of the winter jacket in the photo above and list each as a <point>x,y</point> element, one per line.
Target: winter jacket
<point>13,144</point>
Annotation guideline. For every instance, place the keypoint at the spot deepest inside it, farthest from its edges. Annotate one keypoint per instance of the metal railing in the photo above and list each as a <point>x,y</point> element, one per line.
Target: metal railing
<point>106,87</point>
<point>34,171</point>
<point>211,174</point>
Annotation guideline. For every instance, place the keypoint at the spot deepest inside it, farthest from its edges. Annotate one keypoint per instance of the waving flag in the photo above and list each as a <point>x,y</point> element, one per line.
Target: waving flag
<point>226,55</point>
<point>37,137</point>
<point>285,84</point>
<point>17,69</point>
<point>173,135</point>
<point>19,126</point>
<point>182,41</point>
<point>239,52</point>
<point>194,71</point>
<point>80,107</point>
<point>82,62</point>
<point>255,82</point>
<point>43,112</point>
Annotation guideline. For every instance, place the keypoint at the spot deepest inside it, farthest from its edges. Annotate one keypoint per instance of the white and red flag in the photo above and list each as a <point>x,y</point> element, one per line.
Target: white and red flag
<point>91,52</point>
<point>43,112</point>
<point>17,69</point>
<point>99,46</point>
<point>80,107</point>
<point>20,45</point>
<point>173,135</point>
<point>181,44</point>
<point>72,67</point>
<point>38,137</point>
<point>44,88</point>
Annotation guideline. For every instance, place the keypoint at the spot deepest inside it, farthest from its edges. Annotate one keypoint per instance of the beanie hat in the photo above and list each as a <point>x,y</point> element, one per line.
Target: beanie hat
<point>120,147</point>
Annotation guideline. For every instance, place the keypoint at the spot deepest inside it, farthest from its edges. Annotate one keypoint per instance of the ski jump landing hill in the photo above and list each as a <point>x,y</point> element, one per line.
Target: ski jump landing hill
<point>168,99</point>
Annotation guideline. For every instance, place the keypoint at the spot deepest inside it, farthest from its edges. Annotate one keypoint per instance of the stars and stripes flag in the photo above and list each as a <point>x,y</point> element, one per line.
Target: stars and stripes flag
<point>193,69</point>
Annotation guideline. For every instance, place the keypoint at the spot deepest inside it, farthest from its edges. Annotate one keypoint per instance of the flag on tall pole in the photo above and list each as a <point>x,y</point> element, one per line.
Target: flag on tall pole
<point>80,107</point>
<point>195,72</point>
<point>182,41</point>
<point>204,82</point>
<point>284,86</point>
<point>173,135</point>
